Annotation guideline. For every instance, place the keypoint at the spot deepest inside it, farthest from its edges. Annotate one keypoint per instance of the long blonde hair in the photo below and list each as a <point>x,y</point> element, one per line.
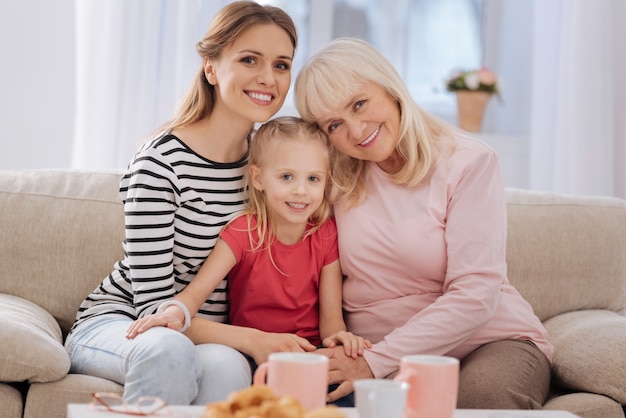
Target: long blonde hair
<point>335,74</point>
<point>286,129</point>
<point>230,22</point>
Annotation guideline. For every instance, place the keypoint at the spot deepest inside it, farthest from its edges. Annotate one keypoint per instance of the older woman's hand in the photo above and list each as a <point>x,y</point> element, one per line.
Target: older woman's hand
<point>343,369</point>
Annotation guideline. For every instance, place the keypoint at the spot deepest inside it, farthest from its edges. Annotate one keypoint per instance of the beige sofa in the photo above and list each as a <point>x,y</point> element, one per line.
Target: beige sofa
<point>62,231</point>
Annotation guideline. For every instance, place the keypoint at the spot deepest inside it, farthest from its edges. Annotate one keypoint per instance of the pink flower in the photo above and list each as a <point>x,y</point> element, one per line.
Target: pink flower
<point>486,76</point>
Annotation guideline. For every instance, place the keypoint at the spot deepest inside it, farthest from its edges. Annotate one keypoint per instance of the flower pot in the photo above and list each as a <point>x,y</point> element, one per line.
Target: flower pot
<point>471,108</point>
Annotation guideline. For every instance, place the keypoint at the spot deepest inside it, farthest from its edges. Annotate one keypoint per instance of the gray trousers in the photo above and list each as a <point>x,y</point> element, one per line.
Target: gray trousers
<point>507,374</point>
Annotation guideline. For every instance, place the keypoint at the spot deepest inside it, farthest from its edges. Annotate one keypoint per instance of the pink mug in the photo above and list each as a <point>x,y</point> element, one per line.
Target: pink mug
<point>303,375</point>
<point>434,385</point>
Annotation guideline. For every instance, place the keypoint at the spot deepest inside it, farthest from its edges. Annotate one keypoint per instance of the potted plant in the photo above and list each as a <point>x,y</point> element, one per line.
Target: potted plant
<point>473,89</point>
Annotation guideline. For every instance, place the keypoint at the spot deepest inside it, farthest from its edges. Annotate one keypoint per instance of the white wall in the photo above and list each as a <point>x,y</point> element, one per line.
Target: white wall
<point>36,83</point>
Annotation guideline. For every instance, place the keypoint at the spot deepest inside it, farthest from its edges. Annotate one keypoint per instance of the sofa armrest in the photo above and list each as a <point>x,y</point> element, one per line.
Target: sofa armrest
<point>590,351</point>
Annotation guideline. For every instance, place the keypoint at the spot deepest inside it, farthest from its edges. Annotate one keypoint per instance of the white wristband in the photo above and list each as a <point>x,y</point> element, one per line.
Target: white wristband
<point>182,306</point>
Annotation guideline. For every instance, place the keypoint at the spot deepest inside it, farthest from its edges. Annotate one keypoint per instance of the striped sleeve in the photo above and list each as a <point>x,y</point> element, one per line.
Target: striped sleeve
<point>149,210</point>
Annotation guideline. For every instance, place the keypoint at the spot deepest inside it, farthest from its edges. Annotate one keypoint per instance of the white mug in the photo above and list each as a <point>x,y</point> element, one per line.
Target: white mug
<point>380,398</point>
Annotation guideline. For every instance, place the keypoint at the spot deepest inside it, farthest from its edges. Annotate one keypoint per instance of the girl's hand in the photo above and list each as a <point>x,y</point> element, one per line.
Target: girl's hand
<point>266,343</point>
<point>172,317</point>
<point>353,345</point>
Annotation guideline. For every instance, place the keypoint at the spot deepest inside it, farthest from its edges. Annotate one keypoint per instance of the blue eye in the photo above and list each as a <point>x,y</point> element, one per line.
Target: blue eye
<point>286,177</point>
<point>332,127</point>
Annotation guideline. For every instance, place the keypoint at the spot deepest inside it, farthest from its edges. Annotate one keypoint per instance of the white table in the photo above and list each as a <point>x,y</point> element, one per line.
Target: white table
<point>83,411</point>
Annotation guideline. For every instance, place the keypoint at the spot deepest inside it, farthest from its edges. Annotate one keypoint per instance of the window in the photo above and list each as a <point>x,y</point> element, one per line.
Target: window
<point>424,39</point>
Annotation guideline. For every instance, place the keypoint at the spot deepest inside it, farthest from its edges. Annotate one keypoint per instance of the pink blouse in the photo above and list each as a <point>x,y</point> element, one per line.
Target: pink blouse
<point>425,266</point>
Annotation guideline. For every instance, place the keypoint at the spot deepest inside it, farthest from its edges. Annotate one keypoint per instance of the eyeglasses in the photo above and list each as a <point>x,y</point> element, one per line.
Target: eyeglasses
<point>113,402</point>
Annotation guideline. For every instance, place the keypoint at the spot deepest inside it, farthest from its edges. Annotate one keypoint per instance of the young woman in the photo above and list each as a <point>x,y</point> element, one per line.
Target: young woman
<point>179,190</point>
<point>421,216</point>
<point>281,254</point>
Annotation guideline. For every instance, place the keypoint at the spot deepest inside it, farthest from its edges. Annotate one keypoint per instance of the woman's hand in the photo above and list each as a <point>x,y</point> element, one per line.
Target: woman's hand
<point>343,370</point>
<point>172,317</point>
<point>353,345</point>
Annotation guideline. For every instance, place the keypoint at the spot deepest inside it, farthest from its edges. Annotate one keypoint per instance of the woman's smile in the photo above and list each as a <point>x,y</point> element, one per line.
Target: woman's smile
<point>260,98</point>
<point>370,138</point>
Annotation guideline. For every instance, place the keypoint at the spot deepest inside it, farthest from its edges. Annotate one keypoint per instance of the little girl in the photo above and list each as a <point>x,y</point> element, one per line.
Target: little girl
<point>281,254</point>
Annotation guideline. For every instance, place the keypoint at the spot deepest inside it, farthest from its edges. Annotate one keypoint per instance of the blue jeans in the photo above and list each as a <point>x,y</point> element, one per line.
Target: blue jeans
<point>160,362</point>
<point>345,402</point>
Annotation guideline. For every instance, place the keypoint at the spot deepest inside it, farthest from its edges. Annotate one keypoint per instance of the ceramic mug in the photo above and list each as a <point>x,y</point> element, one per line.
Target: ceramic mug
<point>303,375</point>
<point>434,385</point>
<point>380,398</point>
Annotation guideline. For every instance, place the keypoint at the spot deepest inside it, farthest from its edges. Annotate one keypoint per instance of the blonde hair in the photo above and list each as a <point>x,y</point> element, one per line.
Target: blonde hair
<point>227,25</point>
<point>334,75</point>
<point>287,129</point>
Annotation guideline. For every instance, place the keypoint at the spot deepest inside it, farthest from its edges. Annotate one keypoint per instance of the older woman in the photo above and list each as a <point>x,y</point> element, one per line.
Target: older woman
<point>422,233</point>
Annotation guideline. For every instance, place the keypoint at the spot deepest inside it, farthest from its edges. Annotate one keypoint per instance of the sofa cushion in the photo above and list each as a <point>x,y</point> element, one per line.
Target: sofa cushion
<point>51,399</point>
<point>10,402</point>
<point>31,343</point>
<point>588,405</point>
<point>590,351</point>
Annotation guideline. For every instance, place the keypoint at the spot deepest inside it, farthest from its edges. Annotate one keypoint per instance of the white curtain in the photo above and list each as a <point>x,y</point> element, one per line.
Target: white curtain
<point>134,61</point>
<point>578,117</point>
<point>136,58</point>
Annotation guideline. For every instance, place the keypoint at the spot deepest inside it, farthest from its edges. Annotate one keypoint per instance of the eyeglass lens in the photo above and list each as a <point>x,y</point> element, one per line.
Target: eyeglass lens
<point>145,405</point>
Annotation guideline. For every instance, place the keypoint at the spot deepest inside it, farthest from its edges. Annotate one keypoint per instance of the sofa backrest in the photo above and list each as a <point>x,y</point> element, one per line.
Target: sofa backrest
<point>567,253</point>
<point>61,232</point>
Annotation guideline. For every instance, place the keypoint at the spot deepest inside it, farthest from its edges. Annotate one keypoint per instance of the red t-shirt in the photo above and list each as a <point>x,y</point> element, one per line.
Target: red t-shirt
<point>264,298</point>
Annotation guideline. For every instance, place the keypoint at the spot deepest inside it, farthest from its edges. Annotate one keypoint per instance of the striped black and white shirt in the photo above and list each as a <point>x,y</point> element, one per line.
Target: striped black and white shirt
<point>175,204</point>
